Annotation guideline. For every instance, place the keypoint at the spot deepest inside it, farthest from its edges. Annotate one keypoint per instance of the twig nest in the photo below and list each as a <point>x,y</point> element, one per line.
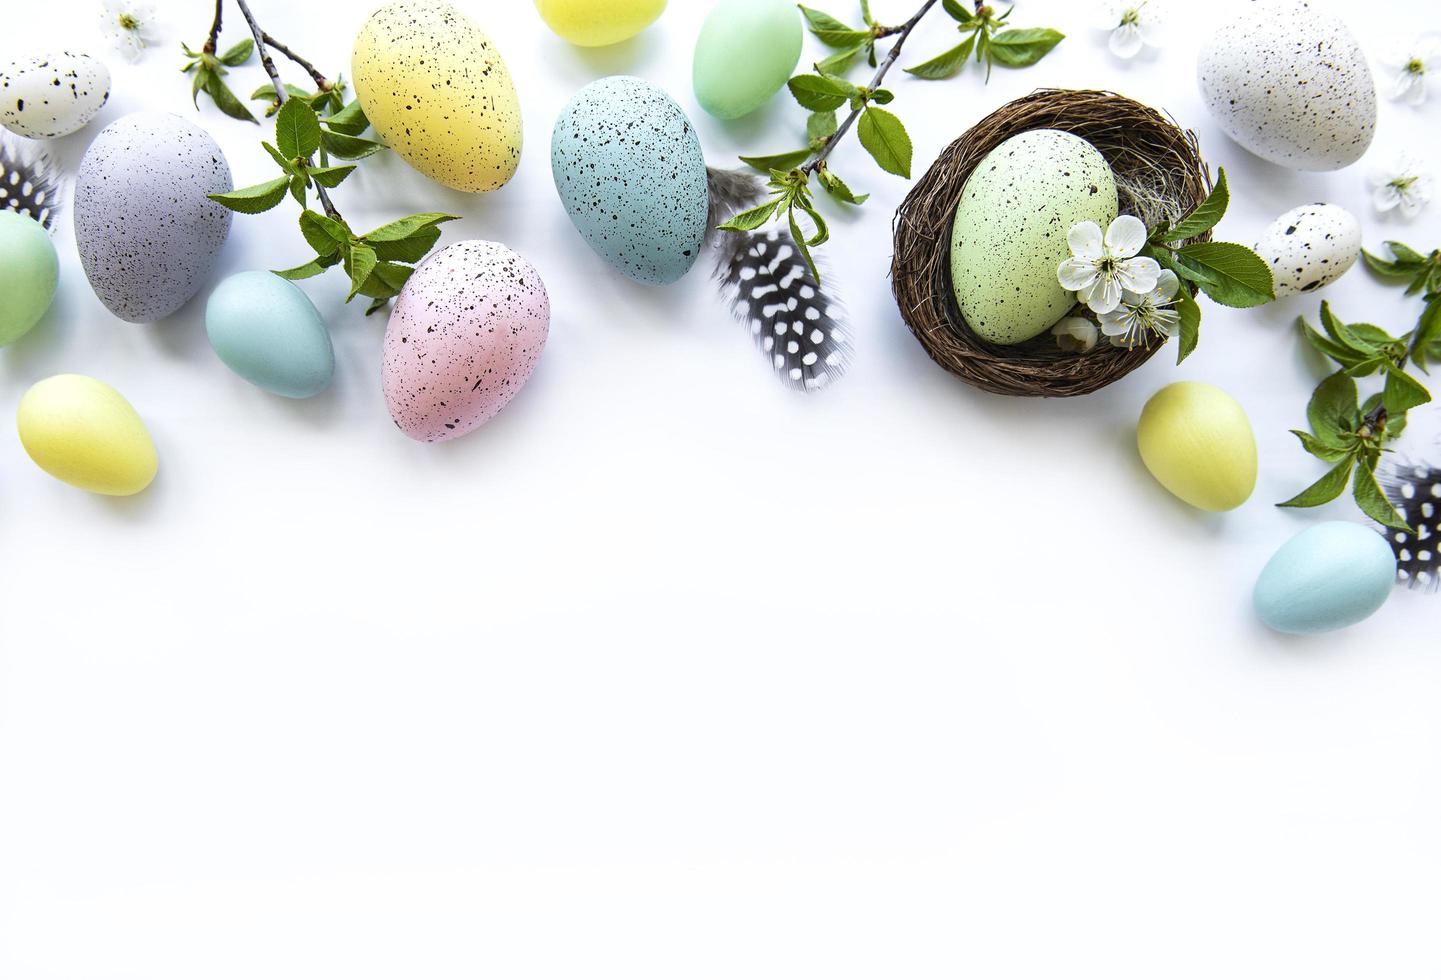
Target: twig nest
<point>1159,176</point>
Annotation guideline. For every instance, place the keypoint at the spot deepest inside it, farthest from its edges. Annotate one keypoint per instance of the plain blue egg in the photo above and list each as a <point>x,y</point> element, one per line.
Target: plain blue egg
<point>267,331</point>
<point>629,169</point>
<point>1328,576</point>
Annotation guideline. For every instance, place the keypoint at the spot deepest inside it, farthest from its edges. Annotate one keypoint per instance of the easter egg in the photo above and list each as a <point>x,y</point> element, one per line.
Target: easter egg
<point>746,51</point>
<point>1287,81</point>
<point>84,432</point>
<point>1197,442</point>
<point>464,336</point>
<point>28,273</point>
<point>1310,247</point>
<point>53,95</point>
<point>628,167</point>
<point>1009,233</point>
<point>267,331</point>
<point>595,23</point>
<point>147,233</point>
<point>436,90</point>
<point>1329,576</point>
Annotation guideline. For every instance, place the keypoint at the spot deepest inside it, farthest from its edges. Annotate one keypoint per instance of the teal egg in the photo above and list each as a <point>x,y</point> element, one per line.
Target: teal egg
<point>267,331</point>
<point>28,273</point>
<point>1329,576</point>
<point>746,51</point>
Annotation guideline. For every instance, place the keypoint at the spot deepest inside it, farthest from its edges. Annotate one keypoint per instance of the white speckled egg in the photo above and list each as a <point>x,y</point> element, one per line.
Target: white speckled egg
<point>146,232</point>
<point>1310,247</point>
<point>1287,81</point>
<point>51,96</point>
<point>437,91</point>
<point>1009,233</point>
<point>629,170</point>
<point>464,336</point>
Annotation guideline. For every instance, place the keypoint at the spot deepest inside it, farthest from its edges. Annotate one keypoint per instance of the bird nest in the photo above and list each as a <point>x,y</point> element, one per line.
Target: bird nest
<point>1160,176</point>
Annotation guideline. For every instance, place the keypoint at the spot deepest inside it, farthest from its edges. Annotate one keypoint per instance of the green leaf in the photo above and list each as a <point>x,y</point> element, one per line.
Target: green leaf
<point>267,91</point>
<point>800,241</point>
<point>778,161</point>
<point>359,262</point>
<point>1321,449</point>
<point>1402,392</point>
<point>284,164</point>
<point>225,99</point>
<point>393,276</point>
<point>312,268</point>
<point>1207,213</point>
<point>753,218</point>
<point>1384,267</point>
<point>1326,489</point>
<point>323,233</point>
<point>947,63</point>
<point>1372,500</point>
<point>1230,274</point>
<point>1332,409</point>
<point>298,186</point>
<point>818,93</point>
<point>1406,255</point>
<point>297,129</point>
<point>348,147</point>
<point>239,54</point>
<point>376,305</point>
<point>254,199</point>
<point>1337,352</point>
<point>832,32</point>
<point>885,138</point>
<point>411,249</point>
<point>956,10</point>
<point>350,120</point>
<point>819,126</point>
<point>405,227</point>
<point>839,62</point>
<point>1426,338</point>
<point>196,84</point>
<point>837,188</point>
<point>882,96</point>
<point>1190,326</point>
<point>330,176</point>
<point>1021,47</point>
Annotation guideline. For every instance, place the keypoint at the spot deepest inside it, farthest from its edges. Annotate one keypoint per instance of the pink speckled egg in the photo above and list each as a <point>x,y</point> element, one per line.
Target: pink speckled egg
<point>464,336</point>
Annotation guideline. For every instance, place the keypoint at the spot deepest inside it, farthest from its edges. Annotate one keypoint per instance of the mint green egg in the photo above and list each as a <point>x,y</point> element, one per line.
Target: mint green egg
<point>1009,234</point>
<point>265,329</point>
<point>28,273</point>
<point>746,51</point>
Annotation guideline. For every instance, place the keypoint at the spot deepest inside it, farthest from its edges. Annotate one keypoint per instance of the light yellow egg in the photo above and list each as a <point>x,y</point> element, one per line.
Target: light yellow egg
<point>436,90</point>
<point>1197,442</point>
<point>84,432</point>
<point>594,23</point>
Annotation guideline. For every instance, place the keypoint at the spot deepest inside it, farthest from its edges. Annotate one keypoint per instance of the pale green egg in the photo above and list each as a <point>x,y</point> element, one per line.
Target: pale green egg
<point>744,54</point>
<point>1009,234</point>
<point>28,273</point>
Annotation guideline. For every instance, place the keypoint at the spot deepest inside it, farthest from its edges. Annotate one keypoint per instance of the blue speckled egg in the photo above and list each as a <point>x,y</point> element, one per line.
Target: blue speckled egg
<point>147,233</point>
<point>267,331</point>
<point>629,170</point>
<point>1329,576</point>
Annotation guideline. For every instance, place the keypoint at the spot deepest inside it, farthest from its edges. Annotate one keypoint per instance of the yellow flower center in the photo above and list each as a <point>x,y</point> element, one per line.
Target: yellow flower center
<point>128,22</point>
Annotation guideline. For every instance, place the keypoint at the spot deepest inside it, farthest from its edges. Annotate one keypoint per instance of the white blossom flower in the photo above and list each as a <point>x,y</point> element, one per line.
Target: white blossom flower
<point>1143,316</point>
<point>1075,334</point>
<point>130,26</point>
<point>1132,25</point>
<point>1411,64</point>
<point>1403,184</point>
<point>1101,267</point>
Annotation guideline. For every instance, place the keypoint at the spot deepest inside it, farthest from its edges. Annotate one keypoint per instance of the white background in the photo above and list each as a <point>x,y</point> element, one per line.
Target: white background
<point>670,672</point>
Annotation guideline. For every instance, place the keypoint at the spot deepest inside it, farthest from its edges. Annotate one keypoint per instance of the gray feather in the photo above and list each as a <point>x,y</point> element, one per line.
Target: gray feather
<point>29,180</point>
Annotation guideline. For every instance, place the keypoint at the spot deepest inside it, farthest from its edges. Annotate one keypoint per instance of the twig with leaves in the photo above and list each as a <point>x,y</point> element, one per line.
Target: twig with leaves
<point>310,129</point>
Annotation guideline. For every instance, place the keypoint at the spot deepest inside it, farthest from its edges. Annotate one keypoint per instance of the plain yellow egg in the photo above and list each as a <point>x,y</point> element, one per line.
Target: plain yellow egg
<point>438,93</point>
<point>595,23</point>
<point>84,432</point>
<point>1197,442</point>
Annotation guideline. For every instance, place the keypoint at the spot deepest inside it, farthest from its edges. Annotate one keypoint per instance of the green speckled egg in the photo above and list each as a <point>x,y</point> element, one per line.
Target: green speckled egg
<point>1010,231</point>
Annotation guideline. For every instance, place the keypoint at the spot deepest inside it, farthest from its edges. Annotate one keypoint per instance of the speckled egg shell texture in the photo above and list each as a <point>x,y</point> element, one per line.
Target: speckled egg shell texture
<point>464,336</point>
<point>52,96</point>
<point>1287,81</point>
<point>629,170</point>
<point>147,234</point>
<point>1310,247</point>
<point>436,90</point>
<point>1009,234</point>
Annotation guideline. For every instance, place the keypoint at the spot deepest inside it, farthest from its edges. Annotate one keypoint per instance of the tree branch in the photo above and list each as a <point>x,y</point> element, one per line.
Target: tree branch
<point>321,82</point>
<point>214,38</point>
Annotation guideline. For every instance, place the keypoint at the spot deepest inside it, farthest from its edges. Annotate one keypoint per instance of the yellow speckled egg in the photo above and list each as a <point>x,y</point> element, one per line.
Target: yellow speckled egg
<point>84,432</point>
<point>1197,442</point>
<point>436,90</point>
<point>595,23</point>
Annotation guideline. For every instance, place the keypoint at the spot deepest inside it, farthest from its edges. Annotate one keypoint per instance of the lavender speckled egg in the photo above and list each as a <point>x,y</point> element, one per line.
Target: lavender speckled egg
<point>51,96</point>
<point>629,170</point>
<point>1287,81</point>
<point>464,336</point>
<point>147,234</point>
<point>1310,247</point>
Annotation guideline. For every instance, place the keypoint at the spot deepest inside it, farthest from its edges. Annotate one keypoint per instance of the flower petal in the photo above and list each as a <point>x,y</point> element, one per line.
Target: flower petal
<point>1139,275</point>
<point>1077,274</point>
<point>1075,334</point>
<point>1385,197</point>
<point>1126,41</point>
<point>1167,286</point>
<point>1126,236</point>
<point>1085,240</point>
<point>1166,322</point>
<point>1103,297</point>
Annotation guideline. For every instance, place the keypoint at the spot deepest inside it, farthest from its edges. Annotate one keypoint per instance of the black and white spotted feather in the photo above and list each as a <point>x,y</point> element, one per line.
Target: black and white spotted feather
<point>1414,489</point>
<point>29,181</point>
<point>768,287</point>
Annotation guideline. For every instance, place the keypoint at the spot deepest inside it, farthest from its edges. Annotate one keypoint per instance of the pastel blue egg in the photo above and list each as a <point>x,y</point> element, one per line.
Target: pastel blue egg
<point>629,170</point>
<point>1328,576</point>
<point>267,331</point>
